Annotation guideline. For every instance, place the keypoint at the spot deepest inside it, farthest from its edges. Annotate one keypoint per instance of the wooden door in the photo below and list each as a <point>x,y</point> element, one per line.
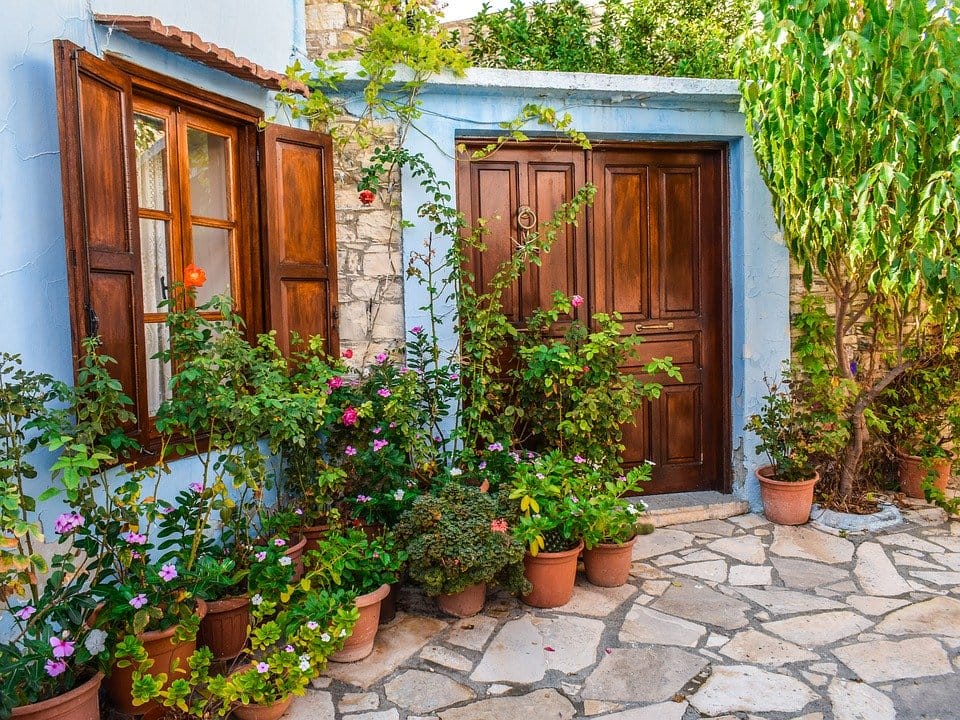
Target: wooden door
<point>659,259</point>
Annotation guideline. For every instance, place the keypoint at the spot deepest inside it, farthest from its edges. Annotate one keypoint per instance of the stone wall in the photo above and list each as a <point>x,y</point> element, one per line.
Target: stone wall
<point>368,237</point>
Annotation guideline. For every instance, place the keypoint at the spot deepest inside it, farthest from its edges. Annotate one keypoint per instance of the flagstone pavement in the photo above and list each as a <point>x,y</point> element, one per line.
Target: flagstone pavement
<point>733,618</point>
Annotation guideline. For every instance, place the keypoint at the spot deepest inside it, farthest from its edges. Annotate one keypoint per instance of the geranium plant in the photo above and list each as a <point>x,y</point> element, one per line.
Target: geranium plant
<point>456,539</point>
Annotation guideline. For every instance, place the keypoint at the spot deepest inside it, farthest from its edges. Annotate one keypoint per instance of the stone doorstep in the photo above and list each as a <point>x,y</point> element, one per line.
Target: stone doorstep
<point>679,508</point>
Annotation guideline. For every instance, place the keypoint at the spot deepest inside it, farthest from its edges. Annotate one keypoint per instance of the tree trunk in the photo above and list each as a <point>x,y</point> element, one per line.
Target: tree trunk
<point>850,464</point>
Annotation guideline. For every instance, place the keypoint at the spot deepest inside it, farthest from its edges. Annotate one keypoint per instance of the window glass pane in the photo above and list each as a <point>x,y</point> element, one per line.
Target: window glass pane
<point>211,251</point>
<point>208,174</point>
<point>153,259</point>
<point>151,141</point>
<point>158,373</point>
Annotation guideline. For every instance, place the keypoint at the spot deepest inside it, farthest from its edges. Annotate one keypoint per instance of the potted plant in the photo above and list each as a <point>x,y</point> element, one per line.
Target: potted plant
<point>348,559</point>
<point>457,544</point>
<point>544,502</point>
<point>609,523</point>
<point>794,429</point>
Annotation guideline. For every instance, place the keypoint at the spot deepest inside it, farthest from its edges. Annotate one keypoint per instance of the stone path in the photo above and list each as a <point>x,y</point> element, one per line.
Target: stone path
<point>724,619</point>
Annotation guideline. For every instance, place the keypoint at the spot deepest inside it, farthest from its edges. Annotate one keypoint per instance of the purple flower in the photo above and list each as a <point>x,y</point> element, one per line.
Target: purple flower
<point>482,465</point>
<point>139,601</point>
<point>61,648</point>
<point>853,367</point>
<point>68,522</point>
<point>262,667</point>
<point>312,625</point>
<point>196,487</point>
<point>279,542</point>
<point>377,430</point>
<point>383,392</point>
<point>288,648</point>
<point>298,511</point>
<point>495,447</point>
<point>579,460</point>
<point>261,556</point>
<point>363,498</point>
<point>381,358</point>
<point>166,509</point>
<point>417,329</point>
<point>350,450</point>
<point>168,572</point>
<point>379,445</point>
<point>135,538</point>
<point>55,667</point>
<point>25,612</point>
<point>454,376</point>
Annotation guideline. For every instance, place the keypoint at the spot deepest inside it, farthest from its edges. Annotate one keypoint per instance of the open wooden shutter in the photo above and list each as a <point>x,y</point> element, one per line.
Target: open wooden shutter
<point>94,101</point>
<point>300,247</point>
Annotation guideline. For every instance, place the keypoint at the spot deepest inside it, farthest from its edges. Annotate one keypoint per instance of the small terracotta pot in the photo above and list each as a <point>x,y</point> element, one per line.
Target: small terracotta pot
<point>295,553</point>
<point>164,652</point>
<point>912,473</point>
<point>553,576</point>
<point>608,564</point>
<point>360,643</point>
<point>388,606</point>
<point>81,703</point>
<point>224,629</point>
<point>466,603</point>
<point>786,503</point>
<point>312,534</point>
<point>273,711</point>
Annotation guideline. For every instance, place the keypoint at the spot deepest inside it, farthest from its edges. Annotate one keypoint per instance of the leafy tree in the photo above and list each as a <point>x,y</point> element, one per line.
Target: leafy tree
<point>856,128</point>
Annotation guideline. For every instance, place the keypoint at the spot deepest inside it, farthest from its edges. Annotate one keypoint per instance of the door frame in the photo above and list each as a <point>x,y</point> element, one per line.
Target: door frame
<point>725,481</point>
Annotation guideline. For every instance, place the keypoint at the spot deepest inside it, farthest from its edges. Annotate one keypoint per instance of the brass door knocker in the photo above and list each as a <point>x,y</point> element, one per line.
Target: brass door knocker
<point>526,217</point>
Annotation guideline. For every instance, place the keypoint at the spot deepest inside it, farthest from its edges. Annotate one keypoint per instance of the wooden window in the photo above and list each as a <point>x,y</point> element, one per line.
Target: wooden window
<point>158,175</point>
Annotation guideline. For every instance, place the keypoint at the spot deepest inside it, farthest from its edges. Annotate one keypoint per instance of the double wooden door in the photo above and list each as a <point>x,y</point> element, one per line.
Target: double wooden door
<point>654,248</point>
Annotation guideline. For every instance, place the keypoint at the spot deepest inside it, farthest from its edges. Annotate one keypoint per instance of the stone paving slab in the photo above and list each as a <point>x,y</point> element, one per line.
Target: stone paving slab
<point>728,619</point>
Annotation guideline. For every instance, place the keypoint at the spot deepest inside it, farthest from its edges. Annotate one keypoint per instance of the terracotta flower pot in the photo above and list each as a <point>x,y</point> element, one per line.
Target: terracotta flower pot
<point>164,652</point>
<point>295,553</point>
<point>912,473</point>
<point>552,575</point>
<point>81,703</point>
<point>273,711</point>
<point>608,564</point>
<point>466,603</point>
<point>786,503</point>
<point>225,627</point>
<point>312,534</point>
<point>360,643</point>
<point>388,606</point>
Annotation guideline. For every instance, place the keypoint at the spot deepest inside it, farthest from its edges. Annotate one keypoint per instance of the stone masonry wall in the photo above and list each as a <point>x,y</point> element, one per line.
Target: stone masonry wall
<point>368,237</point>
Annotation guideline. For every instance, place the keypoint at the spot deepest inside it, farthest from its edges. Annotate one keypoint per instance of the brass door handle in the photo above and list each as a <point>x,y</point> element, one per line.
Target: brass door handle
<point>654,326</point>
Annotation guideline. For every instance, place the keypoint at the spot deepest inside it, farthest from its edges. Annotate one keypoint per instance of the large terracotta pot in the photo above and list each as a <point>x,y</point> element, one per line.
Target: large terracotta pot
<point>786,503</point>
<point>466,603</point>
<point>913,472</point>
<point>164,652</point>
<point>295,553</point>
<point>273,711</point>
<point>608,564</point>
<point>552,575</point>
<point>224,629</point>
<point>360,643</point>
<point>81,703</point>
<point>312,534</point>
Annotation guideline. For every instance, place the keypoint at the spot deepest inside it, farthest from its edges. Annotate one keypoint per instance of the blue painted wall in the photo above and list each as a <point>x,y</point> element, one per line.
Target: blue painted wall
<point>34,320</point>
<point>640,109</point>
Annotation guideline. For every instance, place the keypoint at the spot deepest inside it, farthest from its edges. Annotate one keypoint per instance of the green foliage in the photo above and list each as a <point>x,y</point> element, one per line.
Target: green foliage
<point>852,108</point>
<point>348,558</point>
<point>627,37</point>
<point>607,516</point>
<point>455,539</point>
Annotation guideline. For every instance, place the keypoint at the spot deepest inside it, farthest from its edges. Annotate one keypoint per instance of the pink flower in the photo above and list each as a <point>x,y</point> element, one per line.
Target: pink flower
<point>312,625</point>
<point>61,648</point>
<point>55,667</point>
<point>135,538</point>
<point>196,487</point>
<point>417,329</point>
<point>262,667</point>
<point>261,556</point>
<point>499,526</point>
<point>379,445</point>
<point>576,301</point>
<point>348,353</point>
<point>383,392</point>
<point>482,465</point>
<point>25,612</point>
<point>367,197</point>
<point>288,648</point>
<point>139,601</point>
<point>279,542</point>
<point>579,460</point>
<point>363,498</point>
<point>454,377</point>
<point>377,430</point>
<point>392,425</point>
<point>495,447</point>
<point>168,572</point>
<point>350,450</point>
<point>381,358</point>
<point>335,382</point>
<point>350,416</point>
<point>67,522</point>
<point>298,511</point>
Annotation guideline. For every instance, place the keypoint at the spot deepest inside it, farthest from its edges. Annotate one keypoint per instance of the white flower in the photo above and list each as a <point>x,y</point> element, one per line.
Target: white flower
<point>257,599</point>
<point>640,504</point>
<point>343,633</point>
<point>95,642</point>
<point>632,509</point>
<point>398,495</point>
<point>649,462</point>
<point>284,560</point>
<point>304,665</point>
<point>456,472</point>
<point>325,637</point>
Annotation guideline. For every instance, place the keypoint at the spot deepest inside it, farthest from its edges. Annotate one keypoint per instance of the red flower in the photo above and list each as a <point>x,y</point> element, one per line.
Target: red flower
<point>350,416</point>
<point>193,276</point>
<point>367,197</point>
<point>576,301</point>
<point>348,353</point>
<point>499,526</point>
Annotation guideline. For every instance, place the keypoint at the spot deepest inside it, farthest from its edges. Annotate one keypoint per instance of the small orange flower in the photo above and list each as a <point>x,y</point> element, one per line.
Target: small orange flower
<point>367,197</point>
<point>193,276</point>
<point>499,526</point>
